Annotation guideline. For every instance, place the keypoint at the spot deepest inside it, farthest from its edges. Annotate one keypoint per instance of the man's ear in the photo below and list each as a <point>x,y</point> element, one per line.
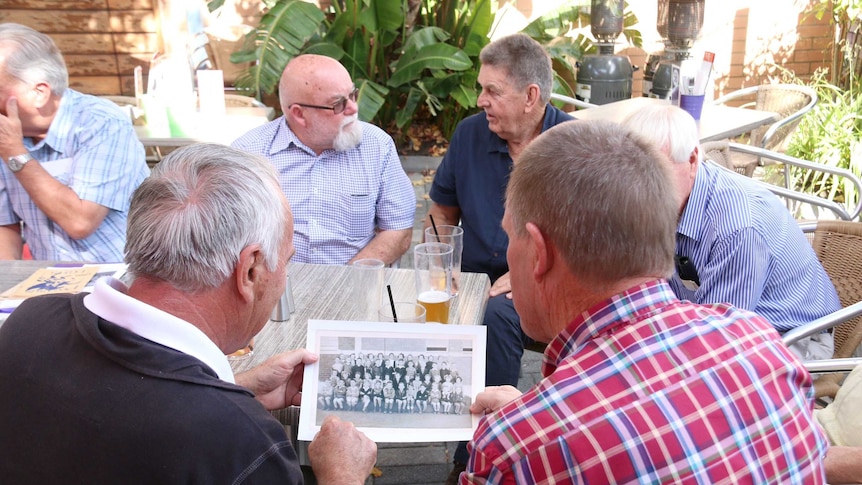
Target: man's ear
<point>249,270</point>
<point>543,257</point>
<point>295,113</point>
<point>534,97</point>
<point>42,94</point>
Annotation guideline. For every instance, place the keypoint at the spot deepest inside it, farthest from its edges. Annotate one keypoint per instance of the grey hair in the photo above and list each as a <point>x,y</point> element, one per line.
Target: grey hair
<point>525,60</point>
<point>669,128</point>
<point>33,58</point>
<point>604,197</point>
<point>201,206</point>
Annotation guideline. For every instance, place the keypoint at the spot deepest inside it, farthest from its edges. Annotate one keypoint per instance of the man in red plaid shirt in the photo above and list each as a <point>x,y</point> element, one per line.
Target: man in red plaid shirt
<point>639,386</point>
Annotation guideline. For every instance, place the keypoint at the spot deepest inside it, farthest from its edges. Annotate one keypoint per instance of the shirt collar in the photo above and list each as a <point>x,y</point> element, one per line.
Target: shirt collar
<point>110,302</point>
<point>627,307</point>
<point>692,220</point>
<point>61,128</point>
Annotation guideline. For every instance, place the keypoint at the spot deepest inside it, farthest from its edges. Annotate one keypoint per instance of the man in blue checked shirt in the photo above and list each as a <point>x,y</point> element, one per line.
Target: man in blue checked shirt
<point>70,161</point>
<point>736,243</point>
<point>350,196</point>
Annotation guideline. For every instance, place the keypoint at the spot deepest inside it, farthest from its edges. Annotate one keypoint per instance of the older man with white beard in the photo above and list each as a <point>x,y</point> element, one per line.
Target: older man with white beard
<point>350,196</point>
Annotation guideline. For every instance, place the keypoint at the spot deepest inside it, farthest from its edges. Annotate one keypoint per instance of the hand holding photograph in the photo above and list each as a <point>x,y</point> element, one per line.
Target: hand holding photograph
<point>399,382</point>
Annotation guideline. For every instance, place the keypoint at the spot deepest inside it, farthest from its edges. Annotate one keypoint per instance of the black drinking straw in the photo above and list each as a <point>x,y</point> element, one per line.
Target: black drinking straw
<point>434,226</point>
<point>392,302</point>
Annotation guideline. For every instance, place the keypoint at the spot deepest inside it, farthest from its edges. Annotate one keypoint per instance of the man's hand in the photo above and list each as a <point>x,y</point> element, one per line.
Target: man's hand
<point>493,398</point>
<point>11,132</point>
<point>277,383</point>
<point>341,455</point>
<point>502,285</point>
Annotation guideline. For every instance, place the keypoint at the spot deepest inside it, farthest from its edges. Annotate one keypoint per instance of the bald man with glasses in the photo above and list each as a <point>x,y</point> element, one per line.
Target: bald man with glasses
<point>350,196</point>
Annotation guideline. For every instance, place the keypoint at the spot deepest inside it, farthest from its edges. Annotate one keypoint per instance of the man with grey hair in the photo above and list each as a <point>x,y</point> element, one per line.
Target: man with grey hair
<point>639,385</point>
<point>343,177</point>
<point>516,80</point>
<point>735,242</point>
<point>70,161</point>
<point>132,382</point>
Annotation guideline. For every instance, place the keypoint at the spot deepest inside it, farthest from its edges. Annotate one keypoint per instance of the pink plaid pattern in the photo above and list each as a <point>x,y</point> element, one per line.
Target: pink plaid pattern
<point>645,388</point>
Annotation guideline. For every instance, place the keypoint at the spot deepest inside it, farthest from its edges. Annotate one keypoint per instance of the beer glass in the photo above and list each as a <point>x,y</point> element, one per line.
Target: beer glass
<point>454,236</point>
<point>433,271</point>
<point>366,287</point>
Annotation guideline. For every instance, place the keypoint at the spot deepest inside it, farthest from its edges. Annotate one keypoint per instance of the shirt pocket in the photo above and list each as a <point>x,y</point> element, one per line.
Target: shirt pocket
<point>357,215</point>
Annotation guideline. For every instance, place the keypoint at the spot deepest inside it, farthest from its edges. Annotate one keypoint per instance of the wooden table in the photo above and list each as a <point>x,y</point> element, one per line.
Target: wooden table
<point>716,122</point>
<point>224,129</point>
<point>318,293</point>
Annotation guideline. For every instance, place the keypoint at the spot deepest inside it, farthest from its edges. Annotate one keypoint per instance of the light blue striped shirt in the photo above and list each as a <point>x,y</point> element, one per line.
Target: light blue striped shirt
<point>749,251</point>
<point>92,148</point>
<point>338,199</point>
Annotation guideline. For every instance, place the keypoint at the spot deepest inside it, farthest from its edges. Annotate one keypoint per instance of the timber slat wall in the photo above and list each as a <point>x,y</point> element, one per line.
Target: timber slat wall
<point>101,40</point>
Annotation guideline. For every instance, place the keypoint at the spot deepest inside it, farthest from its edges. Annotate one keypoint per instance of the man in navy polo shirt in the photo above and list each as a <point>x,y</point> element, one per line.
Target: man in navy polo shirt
<point>470,185</point>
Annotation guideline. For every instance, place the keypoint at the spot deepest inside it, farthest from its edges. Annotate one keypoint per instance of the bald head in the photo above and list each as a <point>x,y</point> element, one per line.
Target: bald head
<point>310,79</point>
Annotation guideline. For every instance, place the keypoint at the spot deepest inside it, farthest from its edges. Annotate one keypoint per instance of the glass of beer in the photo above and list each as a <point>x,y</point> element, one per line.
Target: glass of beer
<point>433,269</point>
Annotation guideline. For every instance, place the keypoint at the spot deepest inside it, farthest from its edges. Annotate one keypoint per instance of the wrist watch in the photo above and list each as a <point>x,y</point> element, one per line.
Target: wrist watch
<point>17,162</point>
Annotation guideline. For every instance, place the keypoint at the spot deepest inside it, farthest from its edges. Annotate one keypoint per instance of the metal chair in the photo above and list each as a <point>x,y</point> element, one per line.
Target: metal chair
<point>718,154</point>
<point>790,101</point>
<point>838,245</point>
<point>572,101</point>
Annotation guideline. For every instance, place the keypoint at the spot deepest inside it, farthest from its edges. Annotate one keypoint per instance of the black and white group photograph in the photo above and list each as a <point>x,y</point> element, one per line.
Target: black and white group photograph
<point>391,381</point>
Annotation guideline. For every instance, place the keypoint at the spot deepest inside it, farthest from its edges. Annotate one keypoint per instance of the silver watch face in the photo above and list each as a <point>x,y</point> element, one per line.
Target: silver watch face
<point>17,162</point>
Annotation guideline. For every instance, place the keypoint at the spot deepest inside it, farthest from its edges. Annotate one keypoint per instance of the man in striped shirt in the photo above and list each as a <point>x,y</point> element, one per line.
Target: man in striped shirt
<point>639,386</point>
<point>735,241</point>
<point>70,161</point>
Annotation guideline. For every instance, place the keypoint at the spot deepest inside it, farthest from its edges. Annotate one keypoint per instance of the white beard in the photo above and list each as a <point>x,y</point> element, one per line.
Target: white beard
<point>348,137</point>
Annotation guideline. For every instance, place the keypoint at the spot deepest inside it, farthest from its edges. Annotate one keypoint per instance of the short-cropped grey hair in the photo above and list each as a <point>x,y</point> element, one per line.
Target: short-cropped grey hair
<point>34,57</point>
<point>604,197</point>
<point>525,60</point>
<point>201,206</point>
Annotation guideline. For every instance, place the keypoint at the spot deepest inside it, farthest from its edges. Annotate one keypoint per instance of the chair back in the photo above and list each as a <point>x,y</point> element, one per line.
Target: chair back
<point>240,100</point>
<point>791,102</point>
<point>838,245</point>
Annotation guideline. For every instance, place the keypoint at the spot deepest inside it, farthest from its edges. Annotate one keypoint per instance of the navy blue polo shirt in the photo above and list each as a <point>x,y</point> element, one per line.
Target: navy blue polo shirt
<point>473,176</point>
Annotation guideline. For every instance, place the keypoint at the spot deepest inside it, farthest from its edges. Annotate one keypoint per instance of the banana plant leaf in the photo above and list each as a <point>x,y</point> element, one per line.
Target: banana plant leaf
<point>281,35</point>
<point>435,56</point>
<point>372,96</point>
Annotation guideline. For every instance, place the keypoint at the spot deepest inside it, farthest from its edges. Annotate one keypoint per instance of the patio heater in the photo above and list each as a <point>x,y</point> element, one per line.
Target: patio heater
<point>605,77</point>
<point>679,23</point>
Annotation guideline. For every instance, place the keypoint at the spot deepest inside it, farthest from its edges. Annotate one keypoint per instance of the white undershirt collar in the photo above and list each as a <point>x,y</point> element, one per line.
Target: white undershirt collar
<point>110,301</point>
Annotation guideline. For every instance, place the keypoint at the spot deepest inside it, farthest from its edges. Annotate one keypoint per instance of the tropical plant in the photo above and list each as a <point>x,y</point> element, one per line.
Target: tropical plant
<point>846,17</point>
<point>404,56</point>
<point>829,134</point>
<point>410,59</point>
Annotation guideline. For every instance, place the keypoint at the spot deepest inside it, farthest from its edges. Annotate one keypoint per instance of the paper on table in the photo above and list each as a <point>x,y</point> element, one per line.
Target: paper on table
<point>52,280</point>
<point>71,278</point>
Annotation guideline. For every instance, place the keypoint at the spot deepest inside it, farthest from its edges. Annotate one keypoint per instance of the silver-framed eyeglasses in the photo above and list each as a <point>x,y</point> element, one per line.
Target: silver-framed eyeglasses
<point>336,107</point>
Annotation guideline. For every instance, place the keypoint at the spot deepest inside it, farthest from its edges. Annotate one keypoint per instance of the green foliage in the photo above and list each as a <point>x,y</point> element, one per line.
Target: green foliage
<point>410,59</point>
<point>402,67</point>
<point>829,134</point>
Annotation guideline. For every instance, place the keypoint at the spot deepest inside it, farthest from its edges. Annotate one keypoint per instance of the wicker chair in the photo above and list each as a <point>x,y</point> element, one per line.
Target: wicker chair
<point>790,101</point>
<point>240,100</point>
<point>838,245</point>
